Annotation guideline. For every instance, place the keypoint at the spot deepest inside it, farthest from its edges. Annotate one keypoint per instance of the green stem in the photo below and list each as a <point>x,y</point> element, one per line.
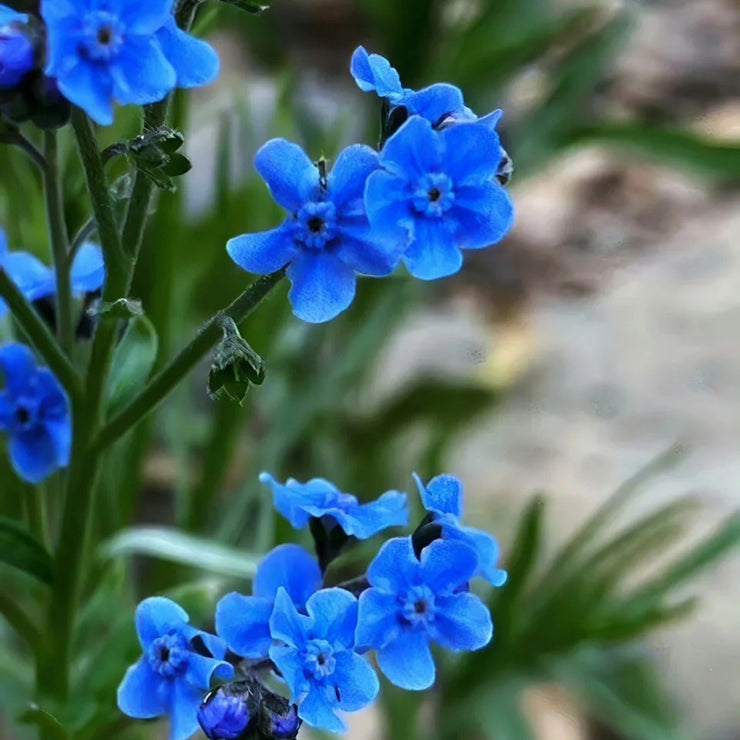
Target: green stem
<point>163,383</point>
<point>36,513</point>
<point>40,336</point>
<point>16,138</point>
<point>19,621</point>
<point>59,241</point>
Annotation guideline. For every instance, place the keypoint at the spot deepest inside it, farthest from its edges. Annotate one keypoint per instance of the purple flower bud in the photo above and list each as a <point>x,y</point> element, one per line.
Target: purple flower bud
<point>16,55</point>
<point>223,715</point>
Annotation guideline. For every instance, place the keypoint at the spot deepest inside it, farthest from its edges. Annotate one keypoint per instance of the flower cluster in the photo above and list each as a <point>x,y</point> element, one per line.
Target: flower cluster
<point>100,53</point>
<point>435,188</point>
<point>315,637</point>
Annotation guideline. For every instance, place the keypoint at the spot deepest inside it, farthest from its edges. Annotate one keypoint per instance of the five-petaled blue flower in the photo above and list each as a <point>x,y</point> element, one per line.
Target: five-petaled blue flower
<point>178,664</point>
<point>317,660</point>
<point>35,280</point>
<point>414,602</point>
<point>16,48</point>
<point>34,412</point>
<point>224,715</point>
<point>299,502</point>
<point>326,239</point>
<point>443,499</point>
<point>128,51</point>
<point>437,193</point>
<point>244,621</point>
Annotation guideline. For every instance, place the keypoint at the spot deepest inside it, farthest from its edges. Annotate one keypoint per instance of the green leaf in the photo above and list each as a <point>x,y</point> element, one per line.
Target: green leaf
<point>250,6</point>
<point>123,308</point>
<point>132,363</point>
<point>169,544</point>
<point>20,550</point>
<point>50,726</point>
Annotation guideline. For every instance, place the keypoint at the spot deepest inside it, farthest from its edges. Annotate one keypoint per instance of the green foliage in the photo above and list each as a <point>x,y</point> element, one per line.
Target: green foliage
<point>20,550</point>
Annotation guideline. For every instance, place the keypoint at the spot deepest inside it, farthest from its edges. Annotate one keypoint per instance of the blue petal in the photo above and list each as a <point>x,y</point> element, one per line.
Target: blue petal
<point>318,709</point>
<point>292,567</point>
<point>7,411</point>
<point>18,367</point>
<point>144,18</point>
<point>3,244</point>
<point>486,548</point>
<point>443,494</point>
<point>263,252</point>
<point>60,433</point>
<point>395,567</point>
<point>365,520</point>
<point>366,252</point>
<point>357,682</point>
<point>447,565</point>
<point>293,179</point>
<point>414,150</point>
<point>490,120</point>
<point>88,269</point>
<point>185,701</point>
<point>472,153</point>
<point>407,661</point>
<point>89,87</point>
<point>293,498</point>
<point>33,278</point>
<point>8,15</point>
<point>143,693</point>
<point>244,622</point>
<point>290,664</point>
<point>214,644</point>
<point>322,286</point>
<point>373,72</point>
<point>141,73</point>
<point>377,619</point>
<point>346,181</point>
<point>334,614</point>
<point>483,214</point>
<point>33,454</point>
<point>156,616</point>
<point>461,622</point>
<point>195,62</point>
<point>433,253</point>
<point>202,670</point>
<point>389,207</point>
<point>435,102</point>
<point>286,623</point>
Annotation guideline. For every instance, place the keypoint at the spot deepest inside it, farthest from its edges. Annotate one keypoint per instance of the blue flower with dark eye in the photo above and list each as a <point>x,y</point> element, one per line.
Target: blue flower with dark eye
<point>34,413</point>
<point>244,621</point>
<point>16,49</point>
<point>438,193</point>
<point>326,239</point>
<point>299,502</point>
<point>443,499</point>
<point>178,664</point>
<point>35,280</point>
<point>126,51</point>
<point>224,715</point>
<point>414,602</point>
<point>315,656</point>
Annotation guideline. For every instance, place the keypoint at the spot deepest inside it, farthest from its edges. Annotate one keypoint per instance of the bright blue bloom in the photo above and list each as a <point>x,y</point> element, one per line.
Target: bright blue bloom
<point>34,413</point>
<point>175,670</point>
<point>126,51</point>
<point>299,502</point>
<point>35,280</point>
<point>16,48</point>
<point>244,621</point>
<point>414,602</point>
<point>223,715</point>
<point>443,499</point>
<point>317,660</point>
<point>438,193</point>
<point>326,239</point>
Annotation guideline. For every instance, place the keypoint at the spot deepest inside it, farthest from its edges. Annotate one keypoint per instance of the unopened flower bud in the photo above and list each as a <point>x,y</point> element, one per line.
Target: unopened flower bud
<point>224,715</point>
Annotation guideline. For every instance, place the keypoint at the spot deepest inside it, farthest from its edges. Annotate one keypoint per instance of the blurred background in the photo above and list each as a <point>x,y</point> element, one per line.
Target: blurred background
<point>595,350</point>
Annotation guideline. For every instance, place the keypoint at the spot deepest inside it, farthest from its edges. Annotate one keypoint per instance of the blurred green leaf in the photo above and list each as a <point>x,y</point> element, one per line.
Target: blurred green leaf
<point>132,363</point>
<point>169,544</point>
<point>50,726</point>
<point>20,550</point>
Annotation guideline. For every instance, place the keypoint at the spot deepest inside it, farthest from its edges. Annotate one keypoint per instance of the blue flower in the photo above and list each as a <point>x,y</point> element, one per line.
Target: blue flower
<point>17,56</point>
<point>317,659</point>
<point>438,193</point>
<point>244,621</point>
<point>299,502</point>
<point>326,239</point>
<point>414,602</point>
<point>443,499</point>
<point>34,412</point>
<point>178,664</point>
<point>123,50</point>
<point>35,280</point>
<point>224,715</point>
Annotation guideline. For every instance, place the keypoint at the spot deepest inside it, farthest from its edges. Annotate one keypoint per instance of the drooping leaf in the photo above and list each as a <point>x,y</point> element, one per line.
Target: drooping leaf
<point>21,550</point>
<point>50,726</point>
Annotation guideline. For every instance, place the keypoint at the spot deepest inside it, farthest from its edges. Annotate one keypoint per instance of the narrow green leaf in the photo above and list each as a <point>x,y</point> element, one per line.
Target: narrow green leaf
<point>51,727</point>
<point>132,363</point>
<point>20,550</point>
<point>169,544</point>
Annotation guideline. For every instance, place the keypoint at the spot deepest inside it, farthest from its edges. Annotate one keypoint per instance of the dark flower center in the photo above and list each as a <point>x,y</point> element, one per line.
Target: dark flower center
<point>22,415</point>
<point>105,35</point>
<point>102,36</point>
<point>433,194</point>
<point>316,224</point>
<point>417,607</point>
<point>168,655</point>
<point>420,607</point>
<point>319,661</point>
